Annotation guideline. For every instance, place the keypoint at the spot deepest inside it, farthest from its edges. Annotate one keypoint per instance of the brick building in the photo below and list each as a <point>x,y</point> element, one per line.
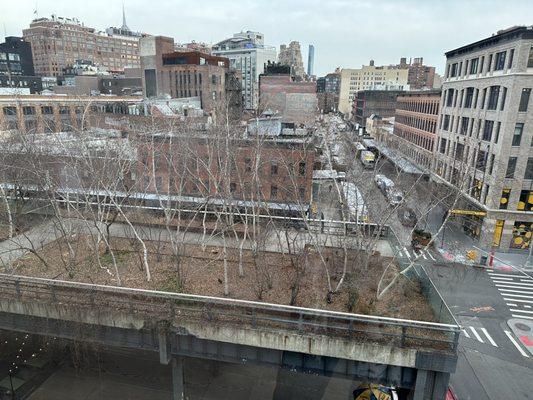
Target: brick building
<point>419,76</point>
<point>377,102</point>
<point>415,126</point>
<point>203,166</point>
<point>484,136</point>
<point>58,42</point>
<point>189,74</point>
<point>295,101</point>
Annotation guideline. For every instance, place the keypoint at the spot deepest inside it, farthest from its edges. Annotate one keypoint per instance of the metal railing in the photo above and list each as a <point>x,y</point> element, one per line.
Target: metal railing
<point>186,308</point>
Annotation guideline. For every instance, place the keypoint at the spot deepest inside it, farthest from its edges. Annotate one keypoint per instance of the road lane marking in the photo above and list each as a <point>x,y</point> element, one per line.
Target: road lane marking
<point>466,333</point>
<point>407,252</point>
<point>509,335</point>
<point>517,295</point>
<point>526,306</point>
<point>521,311</point>
<point>518,300</point>
<point>503,279</point>
<point>512,305</point>
<point>423,255</point>
<point>515,291</point>
<point>526,280</point>
<point>521,316</point>
<point>514,283</point>
<point>476,334</point>
<point>429,254</point>
<point>504,275</point>
<point>492,342</point>
<point>514,286</point>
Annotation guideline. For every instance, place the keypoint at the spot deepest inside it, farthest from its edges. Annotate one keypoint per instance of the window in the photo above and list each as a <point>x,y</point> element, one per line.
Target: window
<point>500,61</point>
<point>47,110</point>
<point>28,110</point>
<point>524,99</point>
<point>64,110</point>
<point>481,162</point>
<point>482,64</point>
<point>301,168</point>
<point>10,110</point>
<point>473,65</point>
<point>504,96</point>
<point>273,168</point>
<point>504,200</point>
<point>159,183</point>
<point>487,130</point>
<point>517,136</point>
<point>489,65</point>
<point>494,93</point>
<point>529,169</point>
<point>446,123</point>
<point>530,58</point>
<point>449,99</point>
<point>459,151</point>
<point>464,125</point>
<point>469,97</point>
<point>301,192</point>
<point>511,167</point>
<point>248,164</point>
<point>454,70</point>
<point>442,148</point>
<point>232,187</point>
<point>273,192</point>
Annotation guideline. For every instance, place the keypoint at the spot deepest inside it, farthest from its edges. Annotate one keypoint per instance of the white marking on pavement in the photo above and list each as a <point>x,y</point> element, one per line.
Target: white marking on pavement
<point>514,283</point>
<point>518,300</point>
<point>521,311</point>
<point>509,285</point>
<point>526,280</point>
<point>509,335</point>
<point>429,254</point>
<point>476,334</point>
<point>512,305</point>
<point>407,252</point>
<point>492,342</point>
<point>466,333</point>
<point>423,255</point>
<point>517,295</point>
<point>503,279</point>
<point>521,316</point>
<point>505,275</point>
<point>515,291</point>
<point>526,306</point>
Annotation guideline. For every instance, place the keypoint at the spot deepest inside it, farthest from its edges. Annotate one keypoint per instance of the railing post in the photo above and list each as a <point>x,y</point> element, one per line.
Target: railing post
<point>254,318</point>
<point>17,289</point>
<point>402,339</point>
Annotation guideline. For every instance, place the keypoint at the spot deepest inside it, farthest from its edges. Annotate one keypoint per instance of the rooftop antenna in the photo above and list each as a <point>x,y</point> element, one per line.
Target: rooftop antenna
<point>124,25</point>
<point>35,12</point>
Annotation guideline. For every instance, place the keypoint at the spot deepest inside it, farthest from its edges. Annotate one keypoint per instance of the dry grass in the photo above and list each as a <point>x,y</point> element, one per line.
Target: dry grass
<point>202,272</point>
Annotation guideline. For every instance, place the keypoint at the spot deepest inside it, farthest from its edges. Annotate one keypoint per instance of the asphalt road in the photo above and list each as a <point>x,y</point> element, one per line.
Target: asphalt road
<point>490,365</point>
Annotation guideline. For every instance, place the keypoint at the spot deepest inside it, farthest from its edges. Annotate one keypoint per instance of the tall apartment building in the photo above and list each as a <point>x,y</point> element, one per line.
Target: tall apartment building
<point>420,76</point>
<point>328,88</point>
<point>16,67</point>
<point>292,55</point>
<point>415,127</point>
<point>311,61</point>
<point>485,136</point>
<point>58,42</point>
<point>189,74</point>
<point>369,77</point>
<point>247,53</point>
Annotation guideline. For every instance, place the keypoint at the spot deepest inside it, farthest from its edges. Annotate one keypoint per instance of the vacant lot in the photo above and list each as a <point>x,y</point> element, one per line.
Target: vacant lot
<point>268,277</point>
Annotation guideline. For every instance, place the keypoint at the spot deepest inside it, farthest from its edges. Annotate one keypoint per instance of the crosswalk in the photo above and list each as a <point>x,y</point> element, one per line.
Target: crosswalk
<point>482,335</point>
<point>517,291</point>
<point>404,252</point>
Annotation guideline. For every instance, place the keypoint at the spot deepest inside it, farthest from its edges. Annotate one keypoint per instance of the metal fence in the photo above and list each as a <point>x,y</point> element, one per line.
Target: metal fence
<point>185,308</point>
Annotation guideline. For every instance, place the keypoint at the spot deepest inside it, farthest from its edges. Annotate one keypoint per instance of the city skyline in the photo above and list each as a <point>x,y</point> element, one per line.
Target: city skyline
<point>413,28</point>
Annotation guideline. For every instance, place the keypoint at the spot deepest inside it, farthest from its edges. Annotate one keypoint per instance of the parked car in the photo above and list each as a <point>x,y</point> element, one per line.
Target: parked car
<point>407,217</point>
<point>394,196</point>
<point>383,182</point>
<point>368,159</point>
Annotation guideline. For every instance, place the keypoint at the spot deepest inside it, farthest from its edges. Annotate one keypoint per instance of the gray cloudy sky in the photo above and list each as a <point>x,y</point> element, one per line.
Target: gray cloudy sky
<point>346,33</point>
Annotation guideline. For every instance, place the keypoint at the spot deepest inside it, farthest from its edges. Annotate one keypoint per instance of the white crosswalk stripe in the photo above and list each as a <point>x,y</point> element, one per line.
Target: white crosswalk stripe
<point>478,333</point>
<point>517,291</point>
<point>404,252</point>
<point>515,343</point>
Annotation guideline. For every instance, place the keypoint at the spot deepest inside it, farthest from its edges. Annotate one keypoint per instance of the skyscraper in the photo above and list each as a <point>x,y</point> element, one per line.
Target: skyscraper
<point>311,61</point>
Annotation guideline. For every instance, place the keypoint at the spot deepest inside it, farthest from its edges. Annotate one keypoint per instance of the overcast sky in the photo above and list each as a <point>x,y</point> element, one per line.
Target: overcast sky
<point>346,33</point>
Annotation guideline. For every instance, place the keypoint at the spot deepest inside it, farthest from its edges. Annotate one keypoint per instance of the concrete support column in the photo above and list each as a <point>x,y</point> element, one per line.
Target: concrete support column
<point>420,385</point>
<point>178,386</point>
<point>165,351</point>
